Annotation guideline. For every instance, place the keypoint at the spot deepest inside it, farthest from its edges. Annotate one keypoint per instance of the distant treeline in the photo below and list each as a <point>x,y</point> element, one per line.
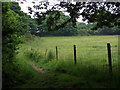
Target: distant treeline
<point>68,30</point>
<point>81,29</point>
<point>41,29</point>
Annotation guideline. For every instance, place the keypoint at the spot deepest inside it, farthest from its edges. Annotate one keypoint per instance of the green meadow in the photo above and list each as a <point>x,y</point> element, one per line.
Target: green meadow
<point>90,71</point>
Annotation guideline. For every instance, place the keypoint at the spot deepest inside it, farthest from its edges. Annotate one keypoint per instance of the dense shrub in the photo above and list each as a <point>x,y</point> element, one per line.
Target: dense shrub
<point>13,30</point>
<point>33,55</point>
<point>50,56</point>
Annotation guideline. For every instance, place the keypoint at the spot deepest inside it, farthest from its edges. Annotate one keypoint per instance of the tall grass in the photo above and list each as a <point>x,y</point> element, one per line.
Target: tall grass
<point>50,56</point>
<point>92,61</point>
<point>33,54</point>
<point>86,45</point>
<point>98,75</point>
<point>91,50</point>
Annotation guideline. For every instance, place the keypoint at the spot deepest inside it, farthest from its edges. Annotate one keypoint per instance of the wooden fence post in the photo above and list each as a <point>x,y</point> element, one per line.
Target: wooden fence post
<point>75,54</point>
<point>109,57</point>
<point>45,52</point>
<point>56,53</point>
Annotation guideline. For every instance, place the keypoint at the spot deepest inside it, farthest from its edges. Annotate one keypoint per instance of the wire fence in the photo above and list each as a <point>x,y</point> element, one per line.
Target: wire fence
<point>78,54</point>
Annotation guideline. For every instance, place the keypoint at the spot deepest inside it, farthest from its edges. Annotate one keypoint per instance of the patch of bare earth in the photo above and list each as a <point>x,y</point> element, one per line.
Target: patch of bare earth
<point>38,68</point>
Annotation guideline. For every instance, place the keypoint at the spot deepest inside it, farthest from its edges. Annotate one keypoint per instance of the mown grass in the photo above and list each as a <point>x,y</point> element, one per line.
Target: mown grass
<point>91,70</point>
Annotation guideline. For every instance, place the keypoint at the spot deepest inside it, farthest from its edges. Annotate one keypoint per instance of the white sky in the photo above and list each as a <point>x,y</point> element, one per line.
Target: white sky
<point>52,2</point>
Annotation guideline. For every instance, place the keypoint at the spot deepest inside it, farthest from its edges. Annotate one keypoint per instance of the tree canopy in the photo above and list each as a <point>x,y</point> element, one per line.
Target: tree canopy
<point>93,12</point>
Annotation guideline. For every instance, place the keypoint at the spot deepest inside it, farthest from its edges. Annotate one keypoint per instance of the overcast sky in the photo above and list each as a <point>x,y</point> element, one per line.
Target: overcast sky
<point>52,2</point>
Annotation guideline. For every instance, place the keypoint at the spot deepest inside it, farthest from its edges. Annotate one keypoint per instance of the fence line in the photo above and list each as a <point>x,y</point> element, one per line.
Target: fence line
<point>75,55</point>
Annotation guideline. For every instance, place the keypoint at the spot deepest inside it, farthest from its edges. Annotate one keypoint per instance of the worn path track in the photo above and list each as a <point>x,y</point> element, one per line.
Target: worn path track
<point>38,68</point>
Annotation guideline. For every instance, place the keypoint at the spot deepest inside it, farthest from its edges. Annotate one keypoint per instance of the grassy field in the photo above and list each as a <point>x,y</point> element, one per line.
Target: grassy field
<point>89,48</point>
<point>91,70</point>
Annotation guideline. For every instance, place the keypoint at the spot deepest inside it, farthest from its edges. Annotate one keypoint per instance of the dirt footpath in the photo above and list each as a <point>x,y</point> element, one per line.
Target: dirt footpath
<point>38,68</point>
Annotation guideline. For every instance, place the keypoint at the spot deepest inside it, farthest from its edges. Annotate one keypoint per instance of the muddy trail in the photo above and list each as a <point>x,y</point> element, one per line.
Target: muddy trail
<point>38,69</point>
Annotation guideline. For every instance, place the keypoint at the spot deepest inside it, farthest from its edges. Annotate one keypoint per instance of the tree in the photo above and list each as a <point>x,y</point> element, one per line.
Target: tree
<point>42,29</point>
<point>68,30</point>
<point>108,31</point>
<point>12,31</point>
<point>90,11</point>
<point>33,27</point>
